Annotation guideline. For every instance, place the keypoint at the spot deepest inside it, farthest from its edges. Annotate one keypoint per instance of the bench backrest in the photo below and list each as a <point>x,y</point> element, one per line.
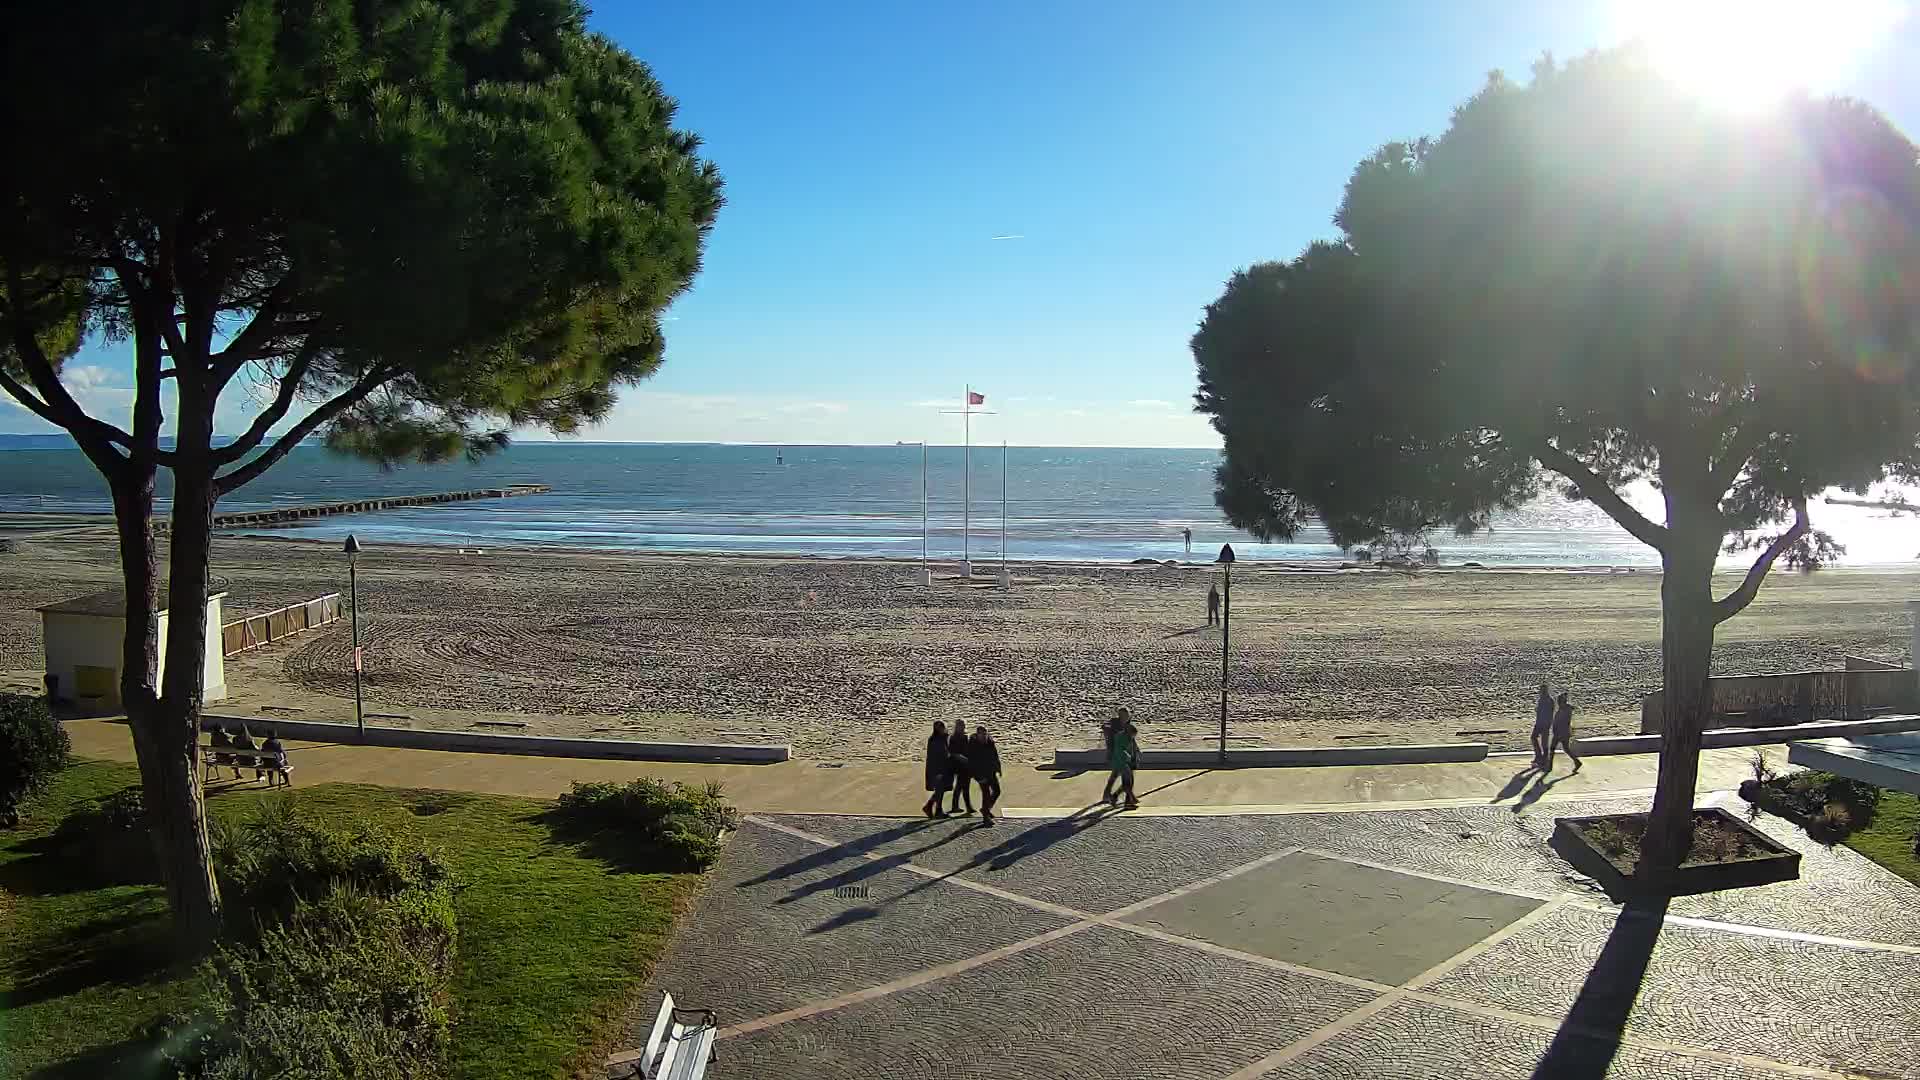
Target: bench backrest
<point>660,1025</point>
<point>254,753</point>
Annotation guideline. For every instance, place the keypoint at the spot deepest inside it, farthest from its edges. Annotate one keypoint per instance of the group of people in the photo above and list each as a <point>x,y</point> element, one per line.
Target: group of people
<point>1552,729</point>
<point>222,739</point>
<point>956,762</point>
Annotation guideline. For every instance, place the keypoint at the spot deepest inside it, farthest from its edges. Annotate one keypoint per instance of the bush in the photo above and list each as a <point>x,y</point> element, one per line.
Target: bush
<point>1828,806</point>
<point>350,986</point>
<point>673,826</point>
<point>269,863</point>
<point>342,960</point>
<point>33,746</point>
<point>110,839</point>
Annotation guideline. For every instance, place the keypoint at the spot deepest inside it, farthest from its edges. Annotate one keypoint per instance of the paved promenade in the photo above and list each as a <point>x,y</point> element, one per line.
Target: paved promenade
<point>895,787</point>
<point>1433,943</point>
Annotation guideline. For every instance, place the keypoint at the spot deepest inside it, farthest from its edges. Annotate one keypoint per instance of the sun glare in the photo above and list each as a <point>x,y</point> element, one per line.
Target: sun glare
<point>1747,53</point>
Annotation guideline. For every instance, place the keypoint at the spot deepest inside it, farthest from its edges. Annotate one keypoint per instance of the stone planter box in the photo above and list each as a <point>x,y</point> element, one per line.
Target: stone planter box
<point>1765,861</point>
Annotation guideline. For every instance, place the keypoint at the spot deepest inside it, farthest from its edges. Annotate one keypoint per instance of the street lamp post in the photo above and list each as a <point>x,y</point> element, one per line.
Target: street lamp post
<point>352,549</point>
<point>1226,636</point>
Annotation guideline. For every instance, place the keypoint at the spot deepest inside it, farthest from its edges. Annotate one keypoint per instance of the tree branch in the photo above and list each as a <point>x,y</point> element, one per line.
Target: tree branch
<point>96,437</point>
<point>1601,494</point>
<point>26,397</point>
<point>1740,450</point>
<point>231,481</point>
<point>246,344</point>
<point>273,414</point>
<point>1736,601</point>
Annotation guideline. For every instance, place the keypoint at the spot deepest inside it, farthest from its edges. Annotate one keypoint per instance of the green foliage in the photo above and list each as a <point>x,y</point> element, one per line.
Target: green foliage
<point>345,963</point>
<point>108,840</point>
<point>662,826</point>
<point>1596,272</point>
<point>33,747</point>
<point>1829,806</point>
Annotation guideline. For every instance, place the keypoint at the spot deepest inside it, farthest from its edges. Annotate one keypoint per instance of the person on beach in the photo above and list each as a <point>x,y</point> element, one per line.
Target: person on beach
<point>1542,726</point>
<point>958,765</point>
<point>1213,604</point>
<point>1122,759</point>
<point>1562,733</point>
<point>1110,729</point>
<point>937,775</point>
<point>983,756</point>
<point>242,741</point>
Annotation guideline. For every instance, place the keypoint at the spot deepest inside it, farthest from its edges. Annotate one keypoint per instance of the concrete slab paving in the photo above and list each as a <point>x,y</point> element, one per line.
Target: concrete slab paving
<point>1339,916</point>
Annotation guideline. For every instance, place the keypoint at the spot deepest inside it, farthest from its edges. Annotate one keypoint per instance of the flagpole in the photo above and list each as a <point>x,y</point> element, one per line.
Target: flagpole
<point>966,488</point>
<point>1005,581</point>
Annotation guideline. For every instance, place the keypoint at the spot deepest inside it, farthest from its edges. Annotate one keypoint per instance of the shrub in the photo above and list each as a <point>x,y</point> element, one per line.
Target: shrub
<point>270,862</point>
<point>108,839</point>
<point>1828,806</point>
<point>350,986</point>
<point>33,747</point>
<point>672,826</point>
<point>342,960</point>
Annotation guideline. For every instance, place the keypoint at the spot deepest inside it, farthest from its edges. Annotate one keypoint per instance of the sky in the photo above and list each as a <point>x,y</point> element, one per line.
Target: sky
<point>1039,199</point>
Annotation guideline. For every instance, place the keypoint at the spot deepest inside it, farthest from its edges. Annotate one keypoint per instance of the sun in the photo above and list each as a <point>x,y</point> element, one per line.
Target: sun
<point>1748,53</point>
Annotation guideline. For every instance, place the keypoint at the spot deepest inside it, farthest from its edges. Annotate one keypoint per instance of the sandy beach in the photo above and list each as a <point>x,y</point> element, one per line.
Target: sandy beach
<point>850,660</point>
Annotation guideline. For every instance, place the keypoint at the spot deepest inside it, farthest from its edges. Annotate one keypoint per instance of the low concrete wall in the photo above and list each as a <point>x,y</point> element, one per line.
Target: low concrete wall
<point>1277,756</point>
<point>1798,697</point>
<point>1722,737</point>
<point>473,742</point>
<point>1863,663</point>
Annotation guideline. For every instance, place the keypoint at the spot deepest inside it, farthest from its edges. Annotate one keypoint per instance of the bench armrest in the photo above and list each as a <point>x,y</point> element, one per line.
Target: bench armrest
<point>706,1016</point>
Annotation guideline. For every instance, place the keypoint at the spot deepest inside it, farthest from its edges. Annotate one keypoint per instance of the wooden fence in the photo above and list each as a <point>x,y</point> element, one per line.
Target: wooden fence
<point>257,630</point>
<point>1797,698</point>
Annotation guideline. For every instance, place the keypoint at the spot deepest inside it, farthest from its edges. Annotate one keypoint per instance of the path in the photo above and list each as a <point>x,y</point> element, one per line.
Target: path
<point>1412,943</point>
<point>896,787</point>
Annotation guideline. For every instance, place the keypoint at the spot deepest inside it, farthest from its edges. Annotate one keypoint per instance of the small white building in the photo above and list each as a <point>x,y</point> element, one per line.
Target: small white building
<point>83,639</point>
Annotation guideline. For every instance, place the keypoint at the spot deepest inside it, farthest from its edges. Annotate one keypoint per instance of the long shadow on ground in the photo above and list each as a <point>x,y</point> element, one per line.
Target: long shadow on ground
<point>1589,1038</point>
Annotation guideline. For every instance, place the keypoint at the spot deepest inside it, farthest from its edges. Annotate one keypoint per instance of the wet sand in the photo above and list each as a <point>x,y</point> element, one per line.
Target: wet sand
<point>851,660</point>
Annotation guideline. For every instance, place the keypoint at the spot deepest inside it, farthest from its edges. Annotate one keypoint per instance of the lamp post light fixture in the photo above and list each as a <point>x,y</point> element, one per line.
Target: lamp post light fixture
<point>1226,636</point>
<point>352,548</point>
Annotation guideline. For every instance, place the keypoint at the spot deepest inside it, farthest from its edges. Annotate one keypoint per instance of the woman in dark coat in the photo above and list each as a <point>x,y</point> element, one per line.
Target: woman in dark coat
<point>937,775</point>
<point>957,764</point>
<point>984,757</point>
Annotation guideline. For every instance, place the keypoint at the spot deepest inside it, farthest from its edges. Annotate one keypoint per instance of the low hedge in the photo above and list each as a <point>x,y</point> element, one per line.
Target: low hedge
<point>33,747</point>
<point>1828,806</point>
<point>664,827</point>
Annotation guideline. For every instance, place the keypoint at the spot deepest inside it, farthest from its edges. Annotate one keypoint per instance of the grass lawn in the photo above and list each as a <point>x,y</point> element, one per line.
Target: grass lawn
<point>554,943</point>
<point>1889,840</point>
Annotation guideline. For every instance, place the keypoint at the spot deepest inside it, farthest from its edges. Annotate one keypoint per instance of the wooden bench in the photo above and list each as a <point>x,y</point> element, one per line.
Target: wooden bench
<point>264,763</point>
<point>677,1049</point>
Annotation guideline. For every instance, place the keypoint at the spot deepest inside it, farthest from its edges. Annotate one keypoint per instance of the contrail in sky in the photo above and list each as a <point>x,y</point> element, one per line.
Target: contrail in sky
<point>1009,236</point>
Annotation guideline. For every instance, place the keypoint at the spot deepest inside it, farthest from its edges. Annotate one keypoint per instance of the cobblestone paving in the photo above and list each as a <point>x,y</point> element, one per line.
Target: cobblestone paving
<point>899,982</point>
<point>1101,861</point>
<point>1418,1041</point>
<point>1817,1005</point>
<point>1098,1005</point>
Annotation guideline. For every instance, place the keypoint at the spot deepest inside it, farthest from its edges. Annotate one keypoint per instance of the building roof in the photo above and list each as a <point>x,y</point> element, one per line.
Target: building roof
<point>107,604</point>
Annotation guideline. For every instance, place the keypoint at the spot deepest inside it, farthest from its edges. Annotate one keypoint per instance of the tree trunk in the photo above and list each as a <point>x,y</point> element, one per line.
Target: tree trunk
<point>1687,621</point>
<point>184,848</point>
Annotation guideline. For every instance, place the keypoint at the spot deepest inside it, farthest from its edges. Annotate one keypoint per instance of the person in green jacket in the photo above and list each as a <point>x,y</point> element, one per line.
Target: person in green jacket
<point>1122,756</point>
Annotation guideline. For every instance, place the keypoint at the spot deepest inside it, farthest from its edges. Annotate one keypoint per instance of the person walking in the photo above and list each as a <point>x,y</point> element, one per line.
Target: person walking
<point>983,756</point>
<point>1122,759</point>
<point>1542,726</point>
<point>1187,532</point>
<point>1562,733</point>
<point>1110,730</point>
<point>937,775</point>
<point>1213,604</point>
<point>957,765</point>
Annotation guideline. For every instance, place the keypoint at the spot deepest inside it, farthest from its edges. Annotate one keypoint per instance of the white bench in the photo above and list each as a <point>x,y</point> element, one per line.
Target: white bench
<point>676,1050</point>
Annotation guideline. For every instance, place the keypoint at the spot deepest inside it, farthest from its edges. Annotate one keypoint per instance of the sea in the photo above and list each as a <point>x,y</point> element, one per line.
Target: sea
<point>1028,503</point>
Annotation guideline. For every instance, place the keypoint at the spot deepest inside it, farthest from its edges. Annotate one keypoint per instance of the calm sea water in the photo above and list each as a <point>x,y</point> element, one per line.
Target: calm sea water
<point>1079,504</point>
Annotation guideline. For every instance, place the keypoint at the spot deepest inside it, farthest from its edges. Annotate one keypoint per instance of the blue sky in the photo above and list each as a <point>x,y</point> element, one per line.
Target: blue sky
<point>1137,152</point>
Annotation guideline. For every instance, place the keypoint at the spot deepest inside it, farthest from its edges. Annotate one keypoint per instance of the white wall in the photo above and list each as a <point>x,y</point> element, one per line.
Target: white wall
<point>73,641</point>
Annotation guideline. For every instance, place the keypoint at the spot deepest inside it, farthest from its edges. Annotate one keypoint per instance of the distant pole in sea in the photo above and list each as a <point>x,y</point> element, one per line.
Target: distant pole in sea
<point>926,571</point>
<point>1005,581</point>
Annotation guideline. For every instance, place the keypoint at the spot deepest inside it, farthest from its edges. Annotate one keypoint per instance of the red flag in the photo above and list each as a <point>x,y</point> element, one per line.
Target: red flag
<point>976,399</point>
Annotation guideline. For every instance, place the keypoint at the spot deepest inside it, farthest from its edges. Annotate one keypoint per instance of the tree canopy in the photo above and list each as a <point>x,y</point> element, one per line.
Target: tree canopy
<point>1591,279</point>
<point>413,225</point>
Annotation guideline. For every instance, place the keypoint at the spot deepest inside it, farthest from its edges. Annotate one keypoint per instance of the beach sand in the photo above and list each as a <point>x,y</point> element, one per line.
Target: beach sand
<point>850,660</point>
